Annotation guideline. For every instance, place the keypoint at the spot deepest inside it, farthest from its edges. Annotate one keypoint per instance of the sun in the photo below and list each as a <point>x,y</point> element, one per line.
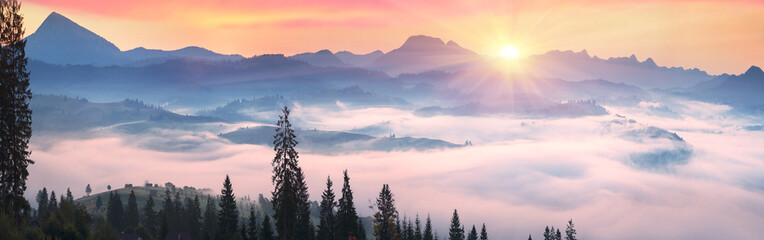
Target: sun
<point>509,51</point>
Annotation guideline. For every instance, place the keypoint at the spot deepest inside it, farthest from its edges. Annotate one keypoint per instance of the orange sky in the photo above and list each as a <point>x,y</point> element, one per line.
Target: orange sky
<point>716,36</point>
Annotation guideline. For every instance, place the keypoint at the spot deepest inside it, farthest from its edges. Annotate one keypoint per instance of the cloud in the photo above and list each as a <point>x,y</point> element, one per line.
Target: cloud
<point>521,175</point>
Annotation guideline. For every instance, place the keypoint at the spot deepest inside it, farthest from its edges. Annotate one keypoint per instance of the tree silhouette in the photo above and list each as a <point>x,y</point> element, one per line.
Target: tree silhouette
<point>151,217</point>
<point>483,233</point>
<point>570,231</point>
<point>266,233</point>
<point>327,219</point>
<point>88,190</point>
<point>286,193</point>
<point>228,215</point>
<point>473,235</point>
<point>427,235</point>
<point>456,232</point>
<point>347,218</point>
<point>131,212</point>
<point>386,215</point>
<point>15,115</point>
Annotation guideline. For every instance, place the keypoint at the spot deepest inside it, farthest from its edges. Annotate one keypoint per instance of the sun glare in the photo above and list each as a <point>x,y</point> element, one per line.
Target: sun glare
<point>509,51</point>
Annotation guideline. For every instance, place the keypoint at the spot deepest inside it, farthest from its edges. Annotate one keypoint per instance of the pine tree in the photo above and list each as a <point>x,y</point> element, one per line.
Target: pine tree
<point>347,218</point>
<point>570,231</point>
<point>192,216</point>
<point>361,231</point>
<point>456,232</point>
<point>88,190</point>
<point>558,236</point>
<point>327,220</point>
<point>266,233</point>
<point>53,203</point>
<point>483,233</point>
<point>252,231</point>
<point>209,229</point>
<point>386,215</point>
<point>99,203</point>
<point>304,229</point>
<point>168,213</point>
<point>427,235</point>
<point>228,215</point>
<point>286,193</point>
<point>69,197</point>
<point>42,204</point>
<point>529,237</point>
<point>151,217</point>
<point>131,212</point>
<point>15,115</point>
<point>176,222</point>
<point>115,213</point>
<point>417,229</point>
<point>547,234</point>
<point>473,235</point>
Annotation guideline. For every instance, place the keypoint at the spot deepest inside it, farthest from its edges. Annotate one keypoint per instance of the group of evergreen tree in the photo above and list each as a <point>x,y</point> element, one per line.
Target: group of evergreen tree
<point>554,234</point>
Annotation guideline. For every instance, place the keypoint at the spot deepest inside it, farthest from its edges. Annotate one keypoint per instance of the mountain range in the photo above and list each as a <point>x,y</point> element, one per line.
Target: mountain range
<point>424,72</point>
<point>60,40</point>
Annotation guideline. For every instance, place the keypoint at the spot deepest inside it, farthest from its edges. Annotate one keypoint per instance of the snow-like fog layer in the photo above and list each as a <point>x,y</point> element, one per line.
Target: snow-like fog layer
<point>520,175</point>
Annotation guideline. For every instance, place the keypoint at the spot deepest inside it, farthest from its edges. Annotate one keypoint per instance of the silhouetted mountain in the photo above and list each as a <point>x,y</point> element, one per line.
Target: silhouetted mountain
<point>358,60</point>
<point>59,40</point>
<point>744,91</point>
<point>321,58</point>
<point>336,142</point>
<point>576,66</point>
<point>142,54</point>
<point>423,53</point>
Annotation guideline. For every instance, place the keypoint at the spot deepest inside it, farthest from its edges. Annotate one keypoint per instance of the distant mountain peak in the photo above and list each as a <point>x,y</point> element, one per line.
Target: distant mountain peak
<point>422,42</point>
<point>650,62</point>
<point>325,52</point>
<point>754,70</point>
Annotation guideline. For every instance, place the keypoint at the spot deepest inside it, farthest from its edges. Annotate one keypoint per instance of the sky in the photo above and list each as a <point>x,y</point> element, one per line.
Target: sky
<point>716,36</point>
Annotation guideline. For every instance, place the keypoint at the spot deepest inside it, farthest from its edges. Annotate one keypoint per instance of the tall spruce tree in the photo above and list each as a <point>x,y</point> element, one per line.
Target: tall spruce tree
<point>417,229</point>
<point>427,235</point>
<point>304,229</point>
<point>228,215</point>
<point>386,216</point>
<point>456,232</point>
<point>327,219</point>
<point>115,214</point>
<point>151,216</point>
<point>210,225</point>
<point>570,231</point>
<point>347,218</point>
<point>42,204</point>
<point>286,194</point>
<point>131,212</point>
<point>15,115</point>
<point>252,231</point>
<point>69,197</point>
<point>483,233</point>
<point>266,232</point>
<point>191,217</point>
<point>177,222</point>
<point>168,214</point>
<point>473,235</point>
<point>529,237</point>
<point>53,203</point>
<point>558,235</point>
